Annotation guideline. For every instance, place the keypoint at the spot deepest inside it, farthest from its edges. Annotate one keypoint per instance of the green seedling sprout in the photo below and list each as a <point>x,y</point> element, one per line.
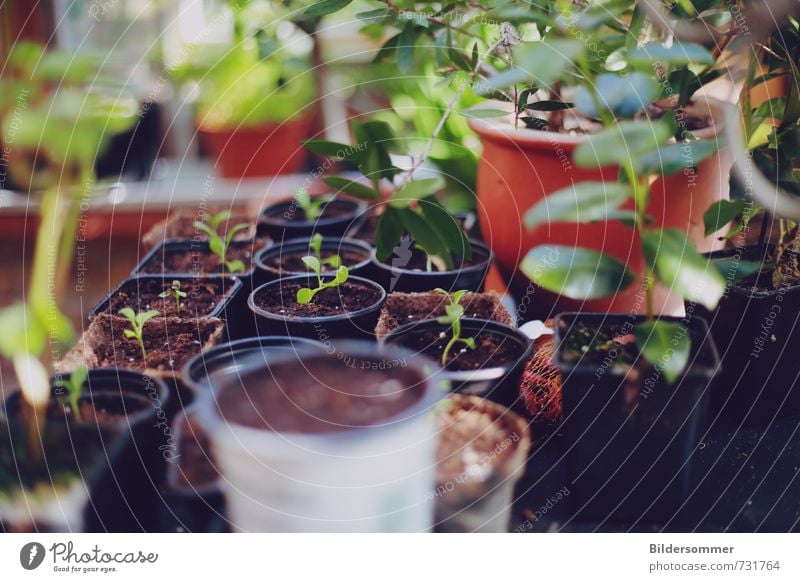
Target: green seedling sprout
<point>315,247</point>
<point>174,291</point>
<point>311,206</point>
<point>305,295</point>
<point>74,387</point>
<point>454,312</point>
<point>137,325</point>
<point>219,244</point>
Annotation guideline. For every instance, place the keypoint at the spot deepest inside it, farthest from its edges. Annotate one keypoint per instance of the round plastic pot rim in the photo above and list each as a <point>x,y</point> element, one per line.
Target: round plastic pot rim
<point>302,243</point>
<point>190,245</point>
<point>279,221</point>
<point>494,373</point>
<point>479,266</point>
<point>321,319</point>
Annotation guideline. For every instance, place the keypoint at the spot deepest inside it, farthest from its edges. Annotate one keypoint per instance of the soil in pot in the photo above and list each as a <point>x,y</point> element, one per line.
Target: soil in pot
<point>481,444</point>
<point>287,220</point>
<point>180,225</point>
<point>348,297</point>
<point>198,259</point>
<point>203,296</point>
<point>286,259</point>
<point>402,308</point>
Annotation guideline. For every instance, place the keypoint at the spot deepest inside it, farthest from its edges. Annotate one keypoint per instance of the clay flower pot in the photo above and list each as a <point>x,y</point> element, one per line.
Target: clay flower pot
<point>520,167</point>
<point>271,149</point>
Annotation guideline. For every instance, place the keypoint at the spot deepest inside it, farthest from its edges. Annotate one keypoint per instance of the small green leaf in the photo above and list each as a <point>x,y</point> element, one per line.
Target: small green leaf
<point>342,273</point>
<point>304,295</point>
<point>324,7</point>
<point>679,54</point>
<point>332,149</point>
<point>549,105</point>
<point>622,143</point>
<point>666,345</point>
<point>405,47</point>
<point>736,270</point>
<point>312,264</point>
<point>582,202</point>
<point>128,312</point>
<point>415,190</point>
<point>721,213</point>
<point>388,234</point>
<point>129,333</point>
<point>351,187</point>
<point>425,236</point>
<point>623,96</point>
<point>234,266</point>
<point>548,60</point>
<point>673,158</point>
<point>446,227</point>
<point>681,268</point>
<point>577,273</point>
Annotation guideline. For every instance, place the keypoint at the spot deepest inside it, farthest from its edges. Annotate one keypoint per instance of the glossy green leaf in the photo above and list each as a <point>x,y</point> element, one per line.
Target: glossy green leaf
<point>351,187</point>
<point>387,234</point>
<point>415,190</point>
<point>304,295</point>
<point>666,345</point>
<point>681,268</point>
<point>679,54</point>
<point>405,47</point>
<point>425,236</point>
<point>623,96</point>
<point>577,273</point>
<point>324,7</point>
<point>582,202</point>
<point>676,157</point>
<point>721,213</point>
<point>549,105</point>
<point>447,228</point>
<point>622,143</point>
<point>312,264</point>
<point>548,60</point>
<point>736,270</point>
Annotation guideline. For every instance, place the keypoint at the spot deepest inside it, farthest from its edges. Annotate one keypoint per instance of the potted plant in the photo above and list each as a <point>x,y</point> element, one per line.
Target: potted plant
<point>286,259</point>
<point>179,225</point>
<point>476,356</point>
<point>549,92</point>
<point>481,455</point>
<point>256,103</point>
<point>339,442</point>
<point>304,214</point>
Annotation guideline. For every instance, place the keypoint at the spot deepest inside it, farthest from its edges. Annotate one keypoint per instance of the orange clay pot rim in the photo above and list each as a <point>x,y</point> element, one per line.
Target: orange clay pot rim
<point>255,128</point>
<point>501,129</point>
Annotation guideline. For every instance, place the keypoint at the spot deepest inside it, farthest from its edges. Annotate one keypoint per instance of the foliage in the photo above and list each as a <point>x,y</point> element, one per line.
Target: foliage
<point>454,311</point>
<point>312,206</point>
<point>219,244</point>
<point>74,387</point>
<point>305,294</point>
<point>315,246</point>
<point>137,321</point>
<point>174,291</point>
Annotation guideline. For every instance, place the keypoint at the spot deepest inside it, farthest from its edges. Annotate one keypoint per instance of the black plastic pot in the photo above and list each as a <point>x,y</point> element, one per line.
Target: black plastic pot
<point>265,273</point>
<point>629,436</point>
<point>364,227</point>
<point>278,220</point>
<point>124,496</point>
<point>395,276</point>
<point>359,324</point>
<point>756,334</point>
<point>225,359</point>
<point>499,384</point>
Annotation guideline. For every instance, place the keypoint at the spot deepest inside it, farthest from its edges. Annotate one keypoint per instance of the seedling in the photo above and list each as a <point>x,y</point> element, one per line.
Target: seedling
<point>174,291</point>
<point>454,312</point>
<point>315,247</point>
<point>74,387</point>
<point>305,295</point>
<point>219,244</point>
<point>137,325</point>
<point>311,206</point>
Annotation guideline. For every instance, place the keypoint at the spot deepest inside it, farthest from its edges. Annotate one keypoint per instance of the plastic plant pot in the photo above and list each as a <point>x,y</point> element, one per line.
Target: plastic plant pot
<point>475,475</point>
<point>285,220</point>
<point>355,254</point>
<point>628,434</point>
<point>755,330</point>
<point>401,274</point>
<point>131,413</point>
<point>499,383</point>
<point>348,324</point>
<point>209,367</point>
<point>348,457</point>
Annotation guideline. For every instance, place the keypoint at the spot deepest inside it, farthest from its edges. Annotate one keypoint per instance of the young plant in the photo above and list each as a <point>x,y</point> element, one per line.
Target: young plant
<point>74,387</point>
<point>315,247</point>
<point>137,325</point>
<point>454,312</point>
<point>174,291</point>
<point>305,295</point>
<point>220,243</point>
<point>312,206</point>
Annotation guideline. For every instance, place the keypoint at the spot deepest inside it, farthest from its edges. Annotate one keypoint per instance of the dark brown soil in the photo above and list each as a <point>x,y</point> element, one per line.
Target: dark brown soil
<point>346,298</point>
<point>324,394</point>
<point>180,225</point>
<point>418,262</point>
<point>491,350</point>
<point>204,296</point>
<point>195,464</point>
<point>170,342</point>
<point>199,261</point>
<point>282,263</point>
<point>474,437</point>
<point>402,308</point>
<point>292,213</point>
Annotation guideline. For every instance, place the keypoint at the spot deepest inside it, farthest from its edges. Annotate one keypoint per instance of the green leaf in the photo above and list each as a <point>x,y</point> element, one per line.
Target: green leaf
<point>415,190</point>
<point>332,149</point>
<point>676,157</point>
<point>79,376</point>
<point>312,264</point>
<point>549,105</point>
<point>405,47</point>
<point>679,54</point>
<point>234,266</point>
<point>425,236</point>
<point>216,246</point>
<point>351,187</point>
<point>577,273</point>
<point>736,270</point>
<point>666,345</point>
<point>681,268</point>
<point>388,234</point>
<point>324,7</point>
<point>484,113</point>
<point>342,273</point>
<point>548,60</point>
<point>21,331</point>
<point>203,227</point>
<point>623,96</point>
<point>304,295</point>
<point>129,333</point>
<point>582,202</point>
<point>128,313</point>
<point>623,142</point>
<point>721,213</point>
<point>447,227</point>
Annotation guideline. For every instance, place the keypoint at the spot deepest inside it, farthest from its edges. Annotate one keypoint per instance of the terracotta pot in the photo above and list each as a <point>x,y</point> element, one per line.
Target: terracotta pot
<point>519,167</point>
<point>266,150</point>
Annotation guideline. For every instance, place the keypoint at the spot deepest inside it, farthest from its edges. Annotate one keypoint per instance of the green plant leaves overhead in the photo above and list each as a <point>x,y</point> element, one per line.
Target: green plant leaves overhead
<point>582,202</point>
<point>621,95</point>
<point>679,54</point>
<point>721,213</point>
<point>676,157</point>
<point>426,237</point>
<point>575,272</point>
<point>621,143</point>
<point>352,187</point>
<point>324,7</point>
<point>388,233</point>
<point>681,268</point>
<point>666,345</point>
<point>415,190</point>
<point>546,61</point>
<point>446,226</point>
